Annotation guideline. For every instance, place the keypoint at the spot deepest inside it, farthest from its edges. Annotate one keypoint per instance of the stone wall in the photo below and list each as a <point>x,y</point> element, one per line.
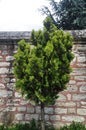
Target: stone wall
<point>71,105</point>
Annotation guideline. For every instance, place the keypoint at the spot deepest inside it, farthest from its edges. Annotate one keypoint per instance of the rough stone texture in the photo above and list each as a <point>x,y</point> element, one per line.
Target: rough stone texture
<point>71,105</point>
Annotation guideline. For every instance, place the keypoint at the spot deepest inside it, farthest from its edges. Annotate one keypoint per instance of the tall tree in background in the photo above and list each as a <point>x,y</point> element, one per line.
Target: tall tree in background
<point>42,70</point>
<point>67,14</point>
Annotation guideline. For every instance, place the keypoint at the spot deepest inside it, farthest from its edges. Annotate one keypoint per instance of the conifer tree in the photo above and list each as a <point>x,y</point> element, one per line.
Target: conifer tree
<point>67,14</point>
<point>42,69</point>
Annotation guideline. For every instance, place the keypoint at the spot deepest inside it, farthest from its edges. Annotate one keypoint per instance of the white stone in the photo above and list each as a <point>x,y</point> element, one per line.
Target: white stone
<point>73,118</point>
<point>22,109</point>
<point>19,117</point>
<point>81,111</point>
<point>4,93</point>
<point>9,58</point>
<point>30,110</point>
<point>71,111</point>
<point>31,116</point>
<point>72,82</point>
<point>83,89</point>
<point>80,77</point>
<point>81,59</point>
<point>60,110</point>
<point>61,97</point>
<point>4,64</point>
<point>4,70</point>
<point>54,117</point>
<point>49,110</point>
<point>2,85</point>
<point>79,97</point>
<point>66,104</point>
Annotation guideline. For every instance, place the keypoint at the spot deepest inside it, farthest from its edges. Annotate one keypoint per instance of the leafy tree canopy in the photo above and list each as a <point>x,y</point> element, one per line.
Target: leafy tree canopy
<point>67,14</point>
<point>42,69</point>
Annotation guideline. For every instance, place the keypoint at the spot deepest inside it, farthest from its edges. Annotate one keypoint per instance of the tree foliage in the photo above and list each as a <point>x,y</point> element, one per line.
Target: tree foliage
<point>67,14</point>
<point>42,69</point>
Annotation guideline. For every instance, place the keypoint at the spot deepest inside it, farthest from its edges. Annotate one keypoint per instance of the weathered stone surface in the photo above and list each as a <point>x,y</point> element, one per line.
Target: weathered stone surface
<point>73,118</point>
<point>54,117</point>
<point>4,64</point>
<point>2,85</point>
<point>4,70</point>
<point>79,71</point>
<point>81,111</point>
<point>49,110</point>
<point>60,110</point>
<point>79,97</point>
<point>19,117</point>
<point>30,109</point>
<point>72,88</point>
<point>83,88</point>
<point>1,58</point>
<point>9,58</point>
<point>71,111</point>
<point>69,97</point>
<point>10,86</point>
<point>31,116</point>
<point>22,109</point>
<point>14,35</point>
<point>46,117</point>
<point>38,110</point>
<point>82,59</point>
<point>4,93</point>
<point>72,82</point>
<point>80,78</point>
<point>66,104</point>
<point>61,97</point>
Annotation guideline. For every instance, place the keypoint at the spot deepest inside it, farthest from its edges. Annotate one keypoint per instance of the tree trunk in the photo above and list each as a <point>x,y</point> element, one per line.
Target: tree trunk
<point>42,117</point>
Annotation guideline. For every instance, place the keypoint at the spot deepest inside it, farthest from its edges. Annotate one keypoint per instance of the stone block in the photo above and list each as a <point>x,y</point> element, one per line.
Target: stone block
<point>71,111</point>
<point>54,117</point>
<point>9,58</point>
<point>66,104</point>
<point>4,93</point>
<point>4,64</point>
<point>30,109</point>
<point>79,97</point>
<point>72,82</point>
<point>81,78</point>
<point>61,97</point>
<point>72,88</point>
<point>2,85</point>
<point>83,88</point>
<point>31,116</point>
<point>46,117</point>
<point>4,70</point>
<point>81,111</point>
<point>81,59</point>
<point>19,117</point>
<point>21,109</point>
<point>49,110</point>
<point>73,118</point>
<point>60,110</point>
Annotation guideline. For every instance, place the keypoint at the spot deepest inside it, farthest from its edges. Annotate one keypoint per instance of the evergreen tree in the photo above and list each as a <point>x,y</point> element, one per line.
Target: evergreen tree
<point>67,14</point>
<point>42,69</point>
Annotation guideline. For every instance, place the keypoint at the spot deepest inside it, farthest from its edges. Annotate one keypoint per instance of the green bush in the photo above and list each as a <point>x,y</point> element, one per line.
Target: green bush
<point>74,126</point>
<point>35,125</point>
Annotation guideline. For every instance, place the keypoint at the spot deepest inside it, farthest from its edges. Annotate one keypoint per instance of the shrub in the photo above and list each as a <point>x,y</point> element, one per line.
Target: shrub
<point>74,126</point>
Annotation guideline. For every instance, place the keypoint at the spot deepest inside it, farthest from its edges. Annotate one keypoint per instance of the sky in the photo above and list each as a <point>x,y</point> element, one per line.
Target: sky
<point>21,15</point>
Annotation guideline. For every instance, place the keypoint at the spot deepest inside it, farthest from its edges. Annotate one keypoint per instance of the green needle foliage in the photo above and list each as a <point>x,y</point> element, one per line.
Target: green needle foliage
<point>42,69</point>
<point>67,14</point>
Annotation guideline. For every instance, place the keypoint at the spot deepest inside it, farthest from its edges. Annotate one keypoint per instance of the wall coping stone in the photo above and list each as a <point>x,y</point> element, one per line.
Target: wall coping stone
<point>12,37</point>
